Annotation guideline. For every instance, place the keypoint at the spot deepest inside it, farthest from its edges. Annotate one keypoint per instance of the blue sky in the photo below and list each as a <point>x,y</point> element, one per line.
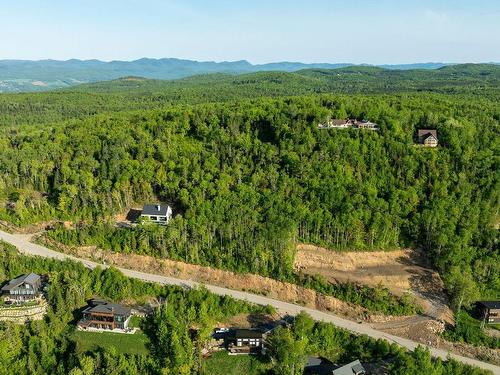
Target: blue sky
<point>365,31</point>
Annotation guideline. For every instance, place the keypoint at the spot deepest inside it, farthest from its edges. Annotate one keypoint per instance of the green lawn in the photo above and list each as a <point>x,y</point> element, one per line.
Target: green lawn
<point>135,322</point>
<point>223,364</point>
<point>124,343</point>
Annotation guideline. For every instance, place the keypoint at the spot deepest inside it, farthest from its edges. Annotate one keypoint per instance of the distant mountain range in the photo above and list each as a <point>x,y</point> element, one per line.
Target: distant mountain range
<point>27,75</point>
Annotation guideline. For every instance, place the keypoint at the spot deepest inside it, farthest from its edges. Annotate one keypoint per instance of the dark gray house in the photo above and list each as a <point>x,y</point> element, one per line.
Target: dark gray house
<point>23,288</point>
<point>104,315</point>
<point>157,213</point>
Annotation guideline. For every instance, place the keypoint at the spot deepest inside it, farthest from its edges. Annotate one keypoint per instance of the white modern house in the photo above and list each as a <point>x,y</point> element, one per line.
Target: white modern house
<point>157,213</point>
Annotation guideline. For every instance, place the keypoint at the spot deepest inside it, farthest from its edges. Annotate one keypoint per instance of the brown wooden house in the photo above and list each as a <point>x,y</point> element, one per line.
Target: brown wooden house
<point>427,137</point>
<point>490,311</point>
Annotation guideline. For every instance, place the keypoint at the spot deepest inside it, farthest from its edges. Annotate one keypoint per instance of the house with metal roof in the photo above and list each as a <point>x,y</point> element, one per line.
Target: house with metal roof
<point>23,288</point>
<point>157,213</point>
<point>104,315</point>
<point>353,368</point>
<point>318,366</point>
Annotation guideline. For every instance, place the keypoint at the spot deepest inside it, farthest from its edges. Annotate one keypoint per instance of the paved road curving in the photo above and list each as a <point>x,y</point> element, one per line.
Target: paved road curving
<point>26,247</point>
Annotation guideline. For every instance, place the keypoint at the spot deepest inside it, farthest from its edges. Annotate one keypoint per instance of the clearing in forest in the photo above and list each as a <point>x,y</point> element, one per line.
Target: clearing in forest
<point>400,271</point>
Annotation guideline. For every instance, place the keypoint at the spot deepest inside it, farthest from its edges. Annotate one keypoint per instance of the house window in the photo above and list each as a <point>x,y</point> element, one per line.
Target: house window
<point>154,218</point>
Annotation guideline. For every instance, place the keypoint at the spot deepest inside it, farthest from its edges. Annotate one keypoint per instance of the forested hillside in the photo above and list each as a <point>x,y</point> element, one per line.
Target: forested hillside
<point>43,75</point>
<point>250,178</point>
<point>135,93</point>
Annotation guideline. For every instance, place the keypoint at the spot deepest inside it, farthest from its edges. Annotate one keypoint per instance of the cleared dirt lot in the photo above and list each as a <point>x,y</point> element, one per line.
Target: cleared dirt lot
<point>401,271</point>
<point>397,270</point>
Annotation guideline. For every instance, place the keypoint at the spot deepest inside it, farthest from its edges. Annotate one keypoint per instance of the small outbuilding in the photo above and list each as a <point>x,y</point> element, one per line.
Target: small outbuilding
<point>157,213</point>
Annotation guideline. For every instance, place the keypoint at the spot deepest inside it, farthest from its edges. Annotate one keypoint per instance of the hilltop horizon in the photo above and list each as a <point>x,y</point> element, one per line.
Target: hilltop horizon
<point>248,61</point>
<point>42,75</point>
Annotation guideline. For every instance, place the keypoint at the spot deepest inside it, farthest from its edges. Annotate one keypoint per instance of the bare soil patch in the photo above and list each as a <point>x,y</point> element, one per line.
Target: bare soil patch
<point>248,320</point>
<point>400,271</point>
<point>128,217</point>
<point>427,333</point>
<point>26,229</point>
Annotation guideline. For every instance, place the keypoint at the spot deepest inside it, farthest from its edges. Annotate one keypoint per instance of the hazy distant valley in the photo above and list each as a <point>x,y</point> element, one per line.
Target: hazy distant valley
<point>43,75</point>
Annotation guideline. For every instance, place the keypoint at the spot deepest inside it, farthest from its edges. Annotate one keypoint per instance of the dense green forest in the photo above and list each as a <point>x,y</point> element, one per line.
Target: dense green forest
<point>249,179</point>
<point>176,331</point>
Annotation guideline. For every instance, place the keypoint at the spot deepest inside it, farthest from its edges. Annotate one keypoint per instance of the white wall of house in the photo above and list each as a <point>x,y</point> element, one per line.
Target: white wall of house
<point>160,219</point>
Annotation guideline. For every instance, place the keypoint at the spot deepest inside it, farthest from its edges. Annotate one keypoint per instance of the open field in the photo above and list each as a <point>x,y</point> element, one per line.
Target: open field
<point>123,343</point>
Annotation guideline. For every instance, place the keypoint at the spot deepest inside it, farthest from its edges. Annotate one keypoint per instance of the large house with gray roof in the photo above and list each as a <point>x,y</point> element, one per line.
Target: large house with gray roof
<point>23,288</point>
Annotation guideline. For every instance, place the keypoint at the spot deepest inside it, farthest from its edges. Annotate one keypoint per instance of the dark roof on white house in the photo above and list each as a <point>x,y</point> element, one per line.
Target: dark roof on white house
<point>108,308</point>
<point>31,278</point>
<point>155,209</point>
<point>490,304</point>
